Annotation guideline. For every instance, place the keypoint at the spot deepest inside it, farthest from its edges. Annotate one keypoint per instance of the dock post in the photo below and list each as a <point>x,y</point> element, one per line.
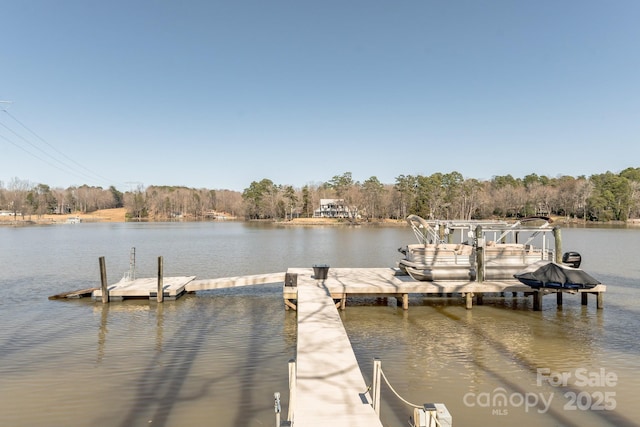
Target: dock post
<point>600,300</point>
<point>277,408</point>
<point>290,286</point>
<point>103,280</point>
<point>558,242</point>
<point>479,255</point>
<point>469,300</point>
<point>375,387</point>
<point>559,298</point>
<point>405,301</point>
<point>584,297</point>
<point>537,300</point>
<point>160,295</point>
<point>292,389</point>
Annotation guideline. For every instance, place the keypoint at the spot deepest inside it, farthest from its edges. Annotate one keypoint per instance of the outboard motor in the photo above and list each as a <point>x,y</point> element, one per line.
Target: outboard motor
<point>572,259</point>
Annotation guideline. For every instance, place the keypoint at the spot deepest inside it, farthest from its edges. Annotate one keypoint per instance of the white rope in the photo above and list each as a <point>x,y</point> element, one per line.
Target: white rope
<point>408,403</point>
<point>396,393</point>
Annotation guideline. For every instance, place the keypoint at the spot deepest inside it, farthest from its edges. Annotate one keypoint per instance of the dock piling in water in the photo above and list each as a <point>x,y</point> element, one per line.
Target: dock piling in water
<point>557,234</point>
<point>103,280</point>
<point>160,295</point>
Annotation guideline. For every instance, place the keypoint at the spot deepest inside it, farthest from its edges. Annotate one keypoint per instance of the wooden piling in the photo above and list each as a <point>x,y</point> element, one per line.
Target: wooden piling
<point>469,300</point>
<point>559,298</point>
<point>103,280</point>
<point>537,300</point>
<point>558,243</point>
<point>160,295</point>
<point>584,296</point>
<point>600,300</point>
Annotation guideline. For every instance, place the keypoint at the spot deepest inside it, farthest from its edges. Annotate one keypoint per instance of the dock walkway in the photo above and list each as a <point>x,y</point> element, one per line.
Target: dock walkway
<point>330,388</point>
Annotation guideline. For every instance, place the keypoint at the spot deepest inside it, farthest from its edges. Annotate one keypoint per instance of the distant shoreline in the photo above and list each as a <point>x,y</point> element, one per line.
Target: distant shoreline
<point>118,215</point>
<point>104,215</point>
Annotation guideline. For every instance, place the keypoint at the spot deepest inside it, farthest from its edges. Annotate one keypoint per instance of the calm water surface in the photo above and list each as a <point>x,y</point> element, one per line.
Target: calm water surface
<point>216,358</point>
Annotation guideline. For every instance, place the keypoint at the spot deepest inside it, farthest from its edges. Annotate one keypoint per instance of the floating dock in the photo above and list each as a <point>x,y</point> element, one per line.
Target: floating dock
<point>173,288</point>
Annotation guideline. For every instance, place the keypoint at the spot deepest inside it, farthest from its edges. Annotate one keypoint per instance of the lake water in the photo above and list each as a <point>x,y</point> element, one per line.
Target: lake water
<point>216,358</point>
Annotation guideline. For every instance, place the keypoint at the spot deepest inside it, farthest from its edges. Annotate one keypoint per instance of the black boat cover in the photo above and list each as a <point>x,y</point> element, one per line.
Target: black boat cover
<point>547,274</point>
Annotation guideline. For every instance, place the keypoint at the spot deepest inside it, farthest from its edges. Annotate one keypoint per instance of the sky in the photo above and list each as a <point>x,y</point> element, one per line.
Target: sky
<point>219,94</point>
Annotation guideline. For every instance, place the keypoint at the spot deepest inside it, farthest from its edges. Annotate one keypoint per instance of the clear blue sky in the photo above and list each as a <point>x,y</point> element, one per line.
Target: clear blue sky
<point>218,94</point>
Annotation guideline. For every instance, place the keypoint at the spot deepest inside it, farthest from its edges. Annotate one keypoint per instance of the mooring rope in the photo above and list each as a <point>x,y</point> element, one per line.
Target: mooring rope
<point>431,416</point>
<point>396,393</point>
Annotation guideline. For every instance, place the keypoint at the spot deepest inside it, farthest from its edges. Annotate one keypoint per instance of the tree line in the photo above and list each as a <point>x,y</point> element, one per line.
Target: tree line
<point>601,197</point>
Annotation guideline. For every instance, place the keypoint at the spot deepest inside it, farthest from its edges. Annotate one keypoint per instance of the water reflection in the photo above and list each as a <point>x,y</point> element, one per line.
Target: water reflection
<point>449,351</point>
<point>102,330</point>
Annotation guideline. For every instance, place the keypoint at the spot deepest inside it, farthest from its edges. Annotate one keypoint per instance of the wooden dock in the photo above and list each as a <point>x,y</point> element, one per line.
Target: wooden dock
<point>330,389</point>
<point>173,288</point>
<point>232,282</point>
<point>80,293</point>
<point>340,283</point>
<point>327,386</point>
<point>387,282</point>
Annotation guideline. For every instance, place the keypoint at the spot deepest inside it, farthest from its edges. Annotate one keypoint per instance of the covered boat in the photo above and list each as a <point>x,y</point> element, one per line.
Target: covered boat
<point>546,274</point>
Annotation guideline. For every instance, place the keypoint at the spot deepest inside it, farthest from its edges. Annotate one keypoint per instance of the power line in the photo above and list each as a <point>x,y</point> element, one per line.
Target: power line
<point>54,148</point>
<point>31,154</point>
<point>70,169</point>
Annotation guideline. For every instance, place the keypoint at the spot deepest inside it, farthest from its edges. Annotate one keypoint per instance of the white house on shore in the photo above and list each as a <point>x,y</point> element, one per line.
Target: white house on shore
<point>333,208</point>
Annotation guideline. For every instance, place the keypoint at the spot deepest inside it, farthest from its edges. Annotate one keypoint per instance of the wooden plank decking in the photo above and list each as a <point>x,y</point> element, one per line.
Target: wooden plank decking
<point>232,282</point>
<point>330,389</point>
<point>147,287</point>
<point>342,282</point>
<point>80,293</point>
<point>174,287</point>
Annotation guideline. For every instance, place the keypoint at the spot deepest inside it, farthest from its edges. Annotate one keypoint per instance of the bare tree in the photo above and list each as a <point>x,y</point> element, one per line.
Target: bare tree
<point>17,191</point>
